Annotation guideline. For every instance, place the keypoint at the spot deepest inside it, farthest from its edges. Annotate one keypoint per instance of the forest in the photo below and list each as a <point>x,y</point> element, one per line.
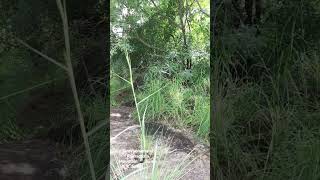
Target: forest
<point>160,89</point>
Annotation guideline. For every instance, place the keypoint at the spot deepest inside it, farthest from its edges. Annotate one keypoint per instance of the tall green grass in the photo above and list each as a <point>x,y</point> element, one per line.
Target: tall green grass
<point>181,104</point>
<point>266,117</point>
<point>185,101</point>
<point>153,99</point>
<point>68,69</point>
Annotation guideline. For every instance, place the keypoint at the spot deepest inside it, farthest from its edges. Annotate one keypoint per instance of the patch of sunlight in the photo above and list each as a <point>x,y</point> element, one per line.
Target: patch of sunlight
<point>115,115</point>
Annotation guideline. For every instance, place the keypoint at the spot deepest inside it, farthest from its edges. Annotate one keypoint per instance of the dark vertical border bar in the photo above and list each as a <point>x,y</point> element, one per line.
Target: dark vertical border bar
<point>107,16</point>
<point>212,38</point>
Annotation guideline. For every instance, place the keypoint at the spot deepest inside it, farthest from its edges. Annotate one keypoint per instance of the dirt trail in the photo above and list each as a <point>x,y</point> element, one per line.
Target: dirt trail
<point>30,160</point>
<point>41,153</point>
<point>124,147</point>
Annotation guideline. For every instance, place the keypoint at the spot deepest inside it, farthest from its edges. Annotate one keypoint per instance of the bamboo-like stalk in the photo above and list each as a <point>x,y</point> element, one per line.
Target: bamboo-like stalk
<point>69,69</point>
<point>63,13</point>
<point>135,101</point>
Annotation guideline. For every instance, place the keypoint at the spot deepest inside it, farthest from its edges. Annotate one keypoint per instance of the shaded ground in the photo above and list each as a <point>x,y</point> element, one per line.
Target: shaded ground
<point>49,115</point>
<point>31,160</point>
<point>43,152</point>
<point>124,147</point>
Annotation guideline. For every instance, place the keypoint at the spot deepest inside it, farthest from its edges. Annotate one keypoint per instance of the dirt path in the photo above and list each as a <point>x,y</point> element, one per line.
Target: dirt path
<point>38,159</point>
<point>30,160</point>
<point>124,148</point>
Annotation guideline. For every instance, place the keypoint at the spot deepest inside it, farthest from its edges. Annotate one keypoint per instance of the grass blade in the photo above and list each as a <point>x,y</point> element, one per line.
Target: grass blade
<point>42,55</point>
<point>144,99</point>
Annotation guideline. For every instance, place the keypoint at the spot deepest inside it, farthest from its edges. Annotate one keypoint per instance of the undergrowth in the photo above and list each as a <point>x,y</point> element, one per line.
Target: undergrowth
<point>156,170</point>
<point>23,78</point>
<point>265,98</point>
<point>184,102</point>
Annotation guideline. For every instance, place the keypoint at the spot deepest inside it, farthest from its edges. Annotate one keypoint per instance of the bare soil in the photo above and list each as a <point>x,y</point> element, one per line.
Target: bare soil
<point>31,160</point>
<point>43,152</point>
<point>124,147</point>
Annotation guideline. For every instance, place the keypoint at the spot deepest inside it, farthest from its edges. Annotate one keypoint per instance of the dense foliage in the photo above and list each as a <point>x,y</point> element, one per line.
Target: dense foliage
<point>169,47</point>
<point>266,90</point>
<point>35,96</point>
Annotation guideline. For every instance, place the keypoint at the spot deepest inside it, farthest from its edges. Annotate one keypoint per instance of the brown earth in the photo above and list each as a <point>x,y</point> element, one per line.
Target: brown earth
<point>44,151</point>
<point>179,145</point>
<point>30,160</point>
<point>39,159</point>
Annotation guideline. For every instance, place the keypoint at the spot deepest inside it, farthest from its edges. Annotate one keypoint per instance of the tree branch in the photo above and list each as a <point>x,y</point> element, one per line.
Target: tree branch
<point>154,4</point>
<point>146,44</point>
<point>203,11</point>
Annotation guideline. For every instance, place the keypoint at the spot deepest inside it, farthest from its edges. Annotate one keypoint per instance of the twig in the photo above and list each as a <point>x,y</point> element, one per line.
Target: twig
<point>128,128</point>
<point>202,9</point>
<point>25,90</point>
<point>88,77</point>
<point>146,44</point>
<point>41,54</point>
<point>154,3</point>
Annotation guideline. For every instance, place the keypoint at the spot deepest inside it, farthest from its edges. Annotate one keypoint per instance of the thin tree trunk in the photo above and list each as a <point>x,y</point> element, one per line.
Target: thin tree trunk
<point>93,91</point>
<point>248,8</point>
<point>258,13</point>
<point>183,30</point>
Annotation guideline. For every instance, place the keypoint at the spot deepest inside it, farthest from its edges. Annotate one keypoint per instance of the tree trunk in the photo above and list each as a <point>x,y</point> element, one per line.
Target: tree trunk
<point>248,8</point>
<point>187,61</point>
<point>258,13</point>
